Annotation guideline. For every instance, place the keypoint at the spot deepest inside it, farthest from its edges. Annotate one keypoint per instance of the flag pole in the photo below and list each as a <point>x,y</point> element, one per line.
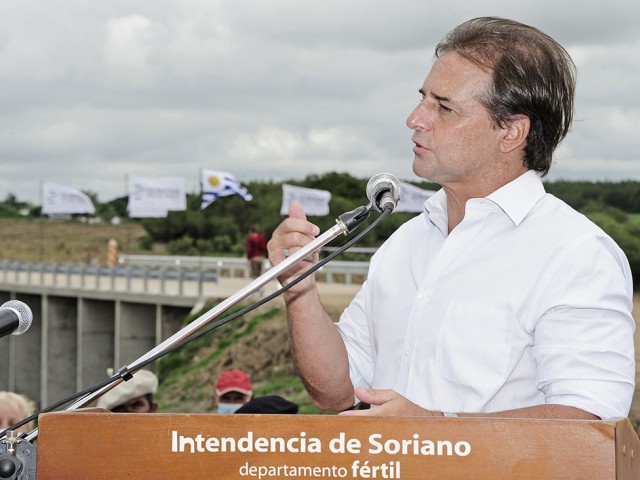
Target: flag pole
<point>127,193</point>
<point>201,170</point>
<point>41,222</point>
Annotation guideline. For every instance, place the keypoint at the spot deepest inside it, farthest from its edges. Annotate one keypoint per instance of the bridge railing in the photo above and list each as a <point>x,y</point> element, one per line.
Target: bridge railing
<point>157,274</point>
<point>335,271</point>
<point>127,278</point>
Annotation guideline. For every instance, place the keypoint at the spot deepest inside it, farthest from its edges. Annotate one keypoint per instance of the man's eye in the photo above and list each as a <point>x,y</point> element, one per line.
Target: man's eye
<point>444,109</point>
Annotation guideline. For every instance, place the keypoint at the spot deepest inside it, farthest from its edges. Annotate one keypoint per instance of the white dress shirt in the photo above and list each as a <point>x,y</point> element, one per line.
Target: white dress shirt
<point>525,302</point>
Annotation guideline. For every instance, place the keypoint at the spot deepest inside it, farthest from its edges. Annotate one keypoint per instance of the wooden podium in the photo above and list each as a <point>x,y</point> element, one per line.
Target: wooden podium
<point>94,446</point>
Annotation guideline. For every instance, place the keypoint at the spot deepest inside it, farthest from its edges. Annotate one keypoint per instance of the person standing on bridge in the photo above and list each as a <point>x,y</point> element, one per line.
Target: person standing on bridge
<point>499,299</point>
<point>256,251</point>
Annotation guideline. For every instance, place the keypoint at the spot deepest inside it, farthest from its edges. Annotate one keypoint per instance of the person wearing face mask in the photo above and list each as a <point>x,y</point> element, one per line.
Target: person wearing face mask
<point>232,391</point>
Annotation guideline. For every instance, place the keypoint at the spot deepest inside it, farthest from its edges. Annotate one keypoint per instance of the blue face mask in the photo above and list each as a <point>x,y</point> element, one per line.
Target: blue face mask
<point>228,407</point>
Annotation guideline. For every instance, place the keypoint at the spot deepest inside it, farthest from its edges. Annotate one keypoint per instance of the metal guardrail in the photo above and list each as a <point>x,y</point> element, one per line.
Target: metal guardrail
<point>334,272</point>
<point>129,278</point>
<point>157,274</point>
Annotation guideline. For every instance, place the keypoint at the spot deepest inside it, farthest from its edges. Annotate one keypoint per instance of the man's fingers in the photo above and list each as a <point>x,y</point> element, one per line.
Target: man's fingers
<point>296,211</point>
<point>293,233</point>
<point>375,397</point>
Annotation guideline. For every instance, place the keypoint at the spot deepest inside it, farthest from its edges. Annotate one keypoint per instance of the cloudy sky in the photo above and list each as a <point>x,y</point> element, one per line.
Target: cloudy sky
<point>271,89</point>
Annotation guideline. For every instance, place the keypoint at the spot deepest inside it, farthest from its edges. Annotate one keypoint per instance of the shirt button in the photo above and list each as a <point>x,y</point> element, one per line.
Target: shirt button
<point>407,352</point>
<point>421,297</point>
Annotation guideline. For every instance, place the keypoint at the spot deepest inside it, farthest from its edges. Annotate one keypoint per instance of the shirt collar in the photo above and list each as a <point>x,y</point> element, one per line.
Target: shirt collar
<point>436,210</point>
<point>516,199</point>
<point>519,196</point>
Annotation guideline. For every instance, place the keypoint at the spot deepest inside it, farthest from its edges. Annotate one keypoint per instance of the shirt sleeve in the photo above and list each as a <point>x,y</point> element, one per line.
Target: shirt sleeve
<point>354,329</point>
<point>583,340</point>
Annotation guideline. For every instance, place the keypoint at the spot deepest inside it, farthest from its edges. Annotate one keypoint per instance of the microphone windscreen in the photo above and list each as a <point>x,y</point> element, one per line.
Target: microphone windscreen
<point>381,183</point>
<point>22,310</point>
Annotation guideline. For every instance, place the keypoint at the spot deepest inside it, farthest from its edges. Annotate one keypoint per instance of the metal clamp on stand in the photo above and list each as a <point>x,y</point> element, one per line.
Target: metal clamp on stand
<point>17,458</point>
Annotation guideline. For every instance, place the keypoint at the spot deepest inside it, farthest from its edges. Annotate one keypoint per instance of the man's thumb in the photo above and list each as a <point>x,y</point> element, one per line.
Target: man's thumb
<point>296,211</point>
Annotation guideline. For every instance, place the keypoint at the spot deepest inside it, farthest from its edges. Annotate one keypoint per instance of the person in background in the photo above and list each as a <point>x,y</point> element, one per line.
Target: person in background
<point>256,250</point>
<point>133,396</point>
<point>232,390</point>
<point>14,408</point>
<point>498,299</point>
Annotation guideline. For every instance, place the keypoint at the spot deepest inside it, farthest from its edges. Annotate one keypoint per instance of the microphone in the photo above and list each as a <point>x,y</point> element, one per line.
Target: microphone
<point>15,318</point>
<point>383,189</point>
<point>383,192</point>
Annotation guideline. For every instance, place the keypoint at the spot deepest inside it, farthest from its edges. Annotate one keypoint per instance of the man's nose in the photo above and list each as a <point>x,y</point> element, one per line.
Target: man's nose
<point>418,118</point>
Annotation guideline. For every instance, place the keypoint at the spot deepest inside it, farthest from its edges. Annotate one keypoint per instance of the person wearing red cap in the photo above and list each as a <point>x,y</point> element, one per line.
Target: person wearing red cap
<point>233,389</point>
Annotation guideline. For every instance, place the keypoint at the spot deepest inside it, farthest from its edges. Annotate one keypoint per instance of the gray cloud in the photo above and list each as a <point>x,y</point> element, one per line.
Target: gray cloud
<point>93,91</point>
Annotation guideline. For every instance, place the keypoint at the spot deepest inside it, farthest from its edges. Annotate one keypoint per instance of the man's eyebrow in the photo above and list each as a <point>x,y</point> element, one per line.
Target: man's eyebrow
<point>435,96</point>
<point>440,98</point>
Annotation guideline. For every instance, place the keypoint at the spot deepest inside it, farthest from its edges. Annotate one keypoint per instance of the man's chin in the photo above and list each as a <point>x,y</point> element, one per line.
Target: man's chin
<point>422,169</point>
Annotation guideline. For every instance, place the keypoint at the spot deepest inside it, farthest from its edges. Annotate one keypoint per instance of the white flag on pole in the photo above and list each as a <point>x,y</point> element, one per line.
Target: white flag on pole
<point>154,197</point>
<point>412,198</point>
<point>313,201</point>
<point>63,200</point>
<point>216,184</point>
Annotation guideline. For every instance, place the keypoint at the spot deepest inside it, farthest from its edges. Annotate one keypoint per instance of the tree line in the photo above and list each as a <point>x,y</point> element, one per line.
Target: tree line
<point>221,228</point>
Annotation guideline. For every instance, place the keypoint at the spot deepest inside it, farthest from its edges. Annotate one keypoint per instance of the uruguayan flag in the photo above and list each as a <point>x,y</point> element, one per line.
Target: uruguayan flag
<point>217,184</point>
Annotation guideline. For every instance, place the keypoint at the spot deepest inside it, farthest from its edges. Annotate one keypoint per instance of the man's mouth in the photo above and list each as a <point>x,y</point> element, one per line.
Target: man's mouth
<point>419,146</point>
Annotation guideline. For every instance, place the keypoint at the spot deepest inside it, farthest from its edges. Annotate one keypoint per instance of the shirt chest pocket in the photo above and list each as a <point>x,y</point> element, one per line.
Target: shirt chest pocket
<point>474,344</point>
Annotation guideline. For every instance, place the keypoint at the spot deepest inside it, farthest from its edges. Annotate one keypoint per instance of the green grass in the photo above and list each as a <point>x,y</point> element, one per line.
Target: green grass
<point>186,381</point>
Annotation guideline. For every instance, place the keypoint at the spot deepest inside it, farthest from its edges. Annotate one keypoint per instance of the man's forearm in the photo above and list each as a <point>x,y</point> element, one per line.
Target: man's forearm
<point>319,352</point>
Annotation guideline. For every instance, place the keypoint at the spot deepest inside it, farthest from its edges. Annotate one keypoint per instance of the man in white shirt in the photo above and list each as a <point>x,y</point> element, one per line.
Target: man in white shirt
<point>499,299</point>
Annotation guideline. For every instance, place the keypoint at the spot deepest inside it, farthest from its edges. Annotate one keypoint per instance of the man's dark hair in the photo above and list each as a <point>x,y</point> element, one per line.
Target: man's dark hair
<point>533,75</point>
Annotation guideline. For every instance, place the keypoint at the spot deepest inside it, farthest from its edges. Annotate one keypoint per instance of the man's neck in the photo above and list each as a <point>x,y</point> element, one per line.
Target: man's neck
<point>458,196</point>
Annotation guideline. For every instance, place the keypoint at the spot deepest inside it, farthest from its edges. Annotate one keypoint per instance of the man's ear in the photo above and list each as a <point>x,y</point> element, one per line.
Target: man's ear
<point>515,132</point>
<point>154,407</point>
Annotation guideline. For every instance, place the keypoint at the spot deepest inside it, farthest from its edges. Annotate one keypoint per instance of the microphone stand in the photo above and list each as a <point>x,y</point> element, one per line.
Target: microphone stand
<point>345,224</point>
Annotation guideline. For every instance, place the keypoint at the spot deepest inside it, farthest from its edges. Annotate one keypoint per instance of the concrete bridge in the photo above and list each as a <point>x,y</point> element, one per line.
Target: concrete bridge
<point>90,318</point>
